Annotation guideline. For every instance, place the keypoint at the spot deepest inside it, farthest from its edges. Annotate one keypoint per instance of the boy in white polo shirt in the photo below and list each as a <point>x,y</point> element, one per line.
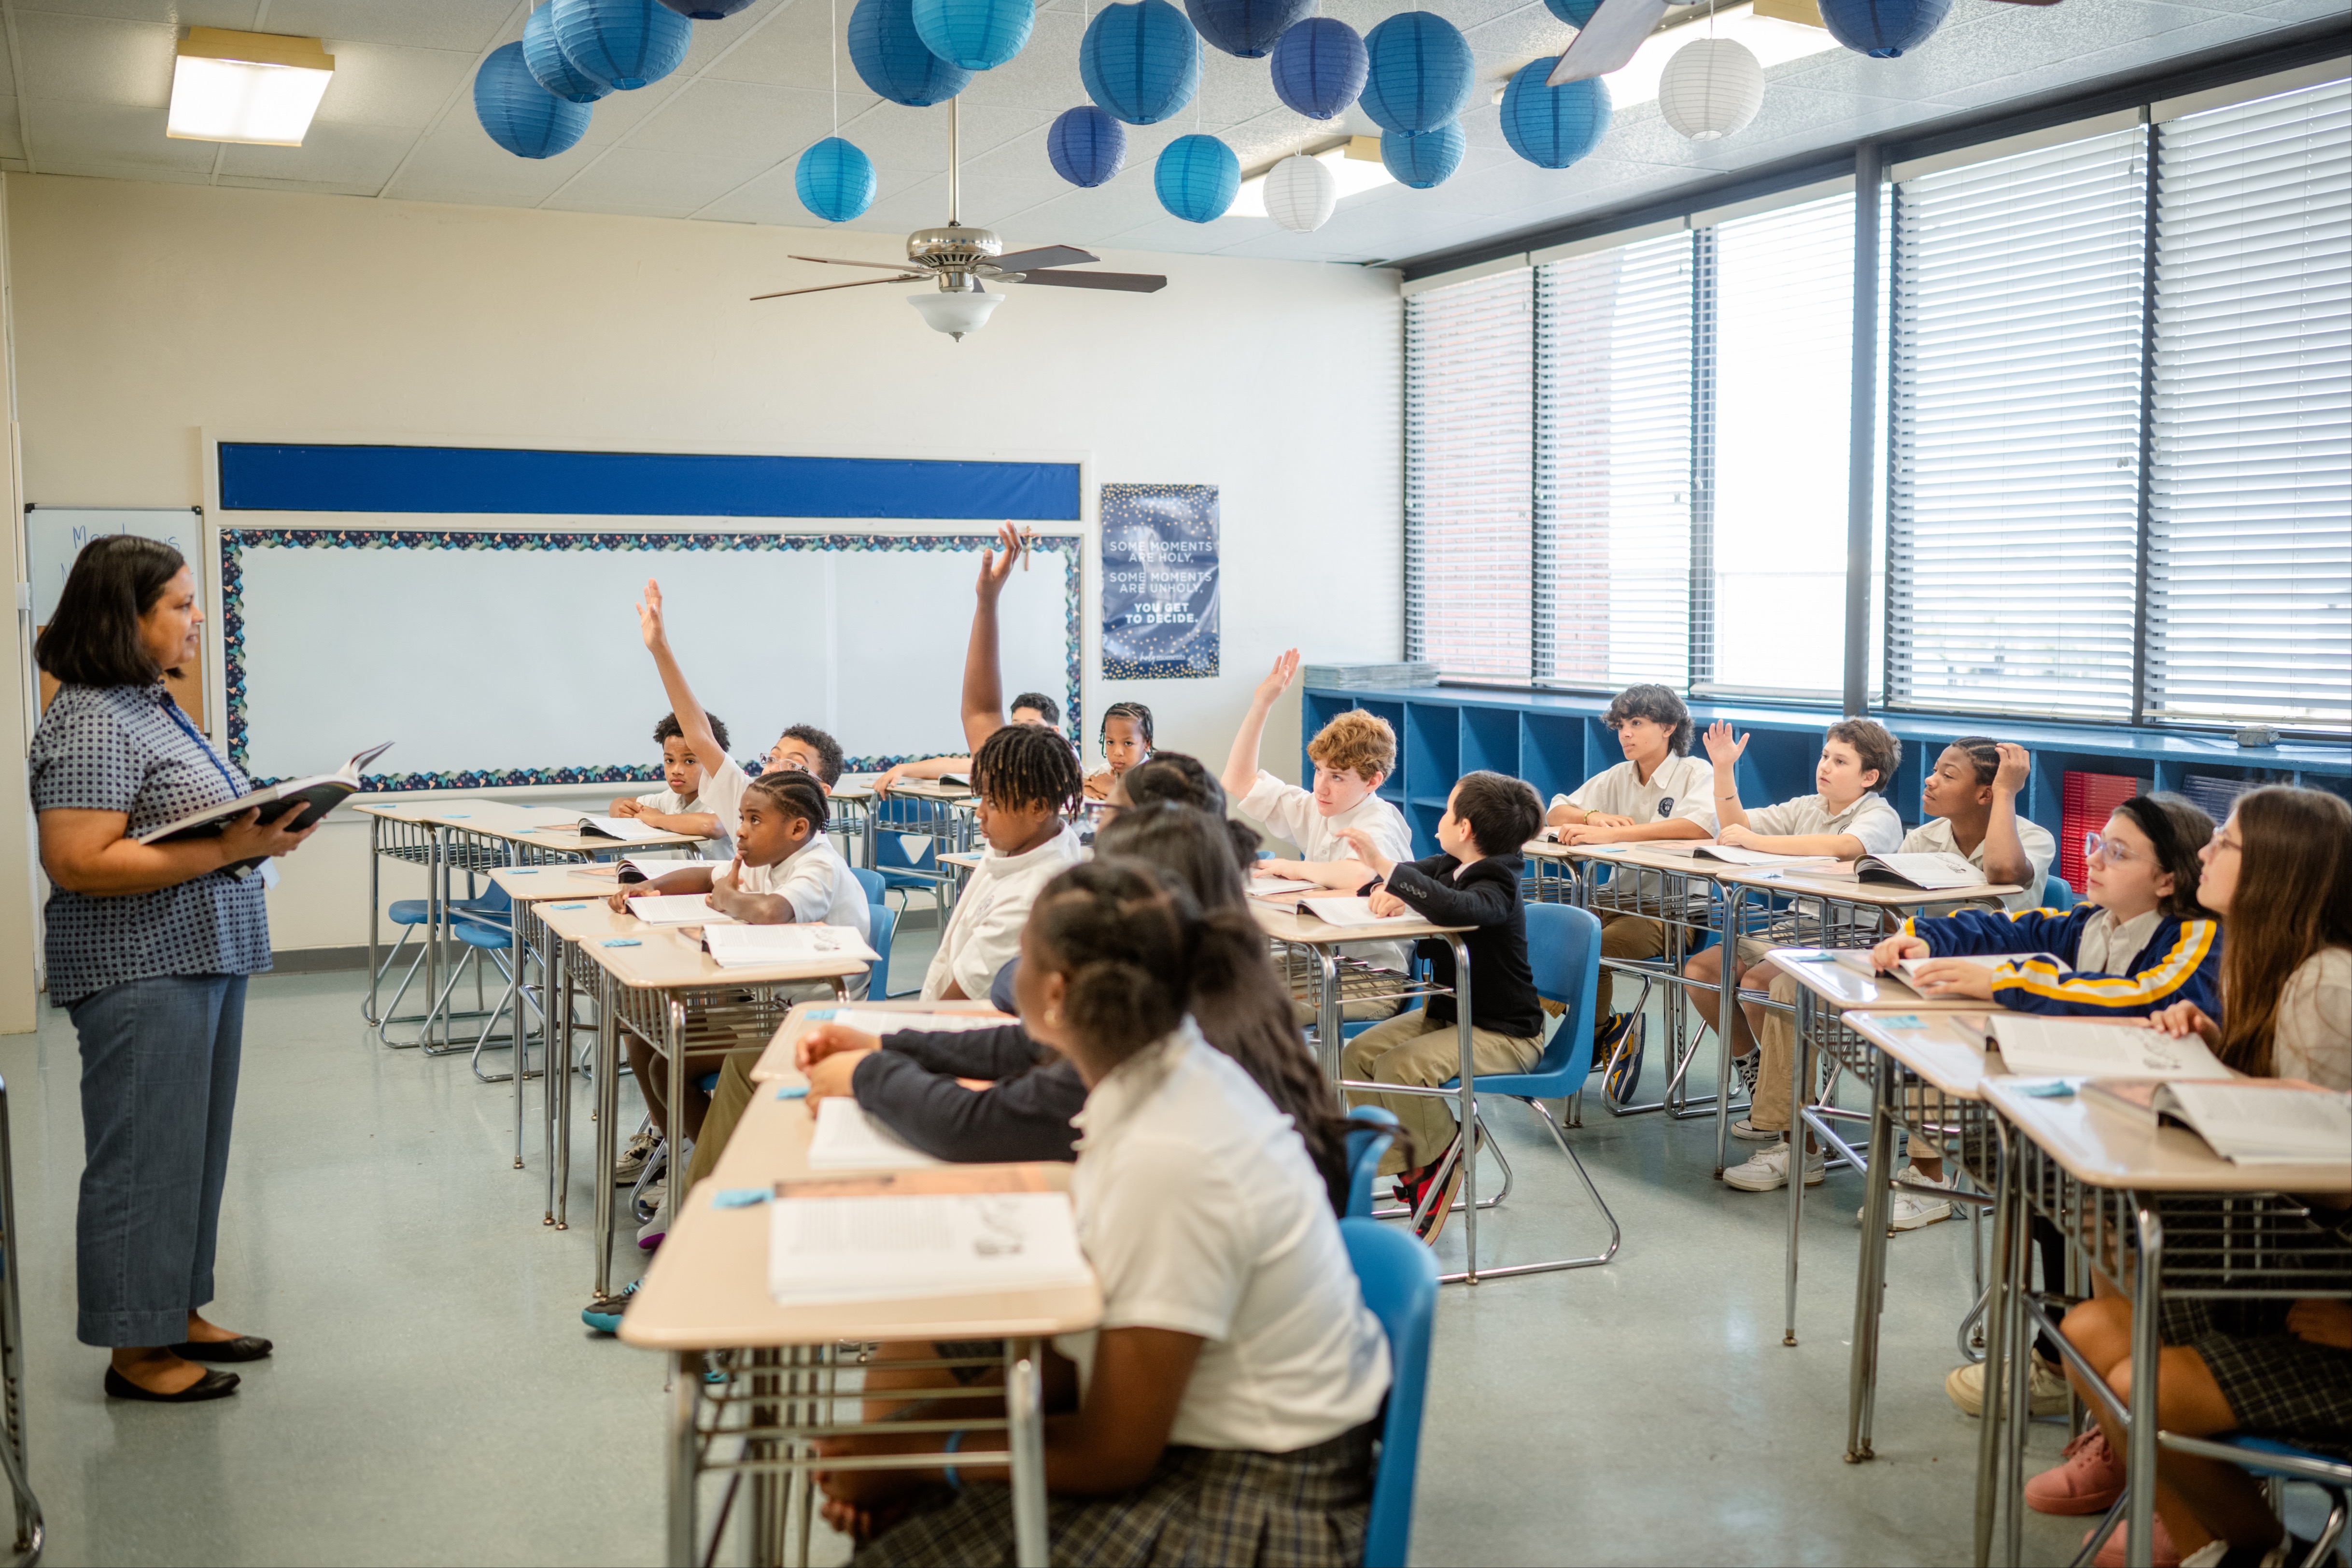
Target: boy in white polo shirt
<point>1659,792</point>
<point>678,806</point>
<point>1353,756</point>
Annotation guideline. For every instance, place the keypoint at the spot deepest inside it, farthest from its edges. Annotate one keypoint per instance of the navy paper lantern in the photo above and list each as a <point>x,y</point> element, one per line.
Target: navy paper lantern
<point>1142,62</point>
<point>521,116</point>
<point>1197,177</point>
<point>544,57</point>
<point>1553,127</point>
<point>707,10</point>
<point>1882,28</point>
<point>835,180</point>
<point>625,44</point>
<point>889,56</point>
<point>1088,147</point>
<point>1245,28</point>
<point>1421,73</point>
<point>1576,14</point>
<point>975,34</point>
<point>1318,67</point>
<point>1424,160</point>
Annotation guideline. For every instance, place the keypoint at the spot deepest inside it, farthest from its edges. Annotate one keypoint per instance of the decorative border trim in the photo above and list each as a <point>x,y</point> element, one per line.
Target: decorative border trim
<point>235,542</point>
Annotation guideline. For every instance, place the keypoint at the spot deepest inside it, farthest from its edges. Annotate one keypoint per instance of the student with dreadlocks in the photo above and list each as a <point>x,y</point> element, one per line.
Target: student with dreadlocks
<point>1126,736</point>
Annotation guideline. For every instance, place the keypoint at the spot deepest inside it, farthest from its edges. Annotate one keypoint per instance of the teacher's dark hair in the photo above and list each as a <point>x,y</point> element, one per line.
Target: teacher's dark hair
<point>93,637</point>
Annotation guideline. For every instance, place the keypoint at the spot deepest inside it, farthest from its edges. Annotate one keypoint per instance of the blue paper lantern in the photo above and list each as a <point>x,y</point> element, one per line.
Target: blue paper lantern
<point>975,34</point>
<point>1088,147</point>
<point>1421,72</point>
<point>1576,14</point>
<point>889,56</point>
<point>1424,160</point>
<point>1318,67</point>
<point>1197,178</point>
<point>521,116</point>
<point>1245,28</point>
<point>626,44</point>
<point>707,10</point>
<point>544,57</point>
<point>835,180</point>
<point>1882,28</point>
<point>1141,61</point>
<point>1553,127</point>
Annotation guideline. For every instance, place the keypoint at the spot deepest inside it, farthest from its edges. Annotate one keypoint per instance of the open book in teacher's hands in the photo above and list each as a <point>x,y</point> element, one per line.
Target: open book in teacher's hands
<point>307,800</point>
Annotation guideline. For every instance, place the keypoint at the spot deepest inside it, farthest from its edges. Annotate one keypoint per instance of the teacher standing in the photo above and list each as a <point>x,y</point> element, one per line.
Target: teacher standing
<point>149,947</point>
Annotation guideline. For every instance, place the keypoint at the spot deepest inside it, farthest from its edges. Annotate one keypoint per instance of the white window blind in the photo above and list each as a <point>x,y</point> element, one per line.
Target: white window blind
<point>1469,520</point>
<point>2013,495</point>
<point>2249,548</point>
<point>1613,462</point>
<point>1783,392</point>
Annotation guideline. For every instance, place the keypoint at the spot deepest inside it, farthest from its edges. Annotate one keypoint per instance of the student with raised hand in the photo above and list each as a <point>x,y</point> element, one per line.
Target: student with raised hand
<point>678,806</point>
<point>1029,708</point>
<point>1224,1412</point>
<point>1126,736</point>
<point>1659,792</point>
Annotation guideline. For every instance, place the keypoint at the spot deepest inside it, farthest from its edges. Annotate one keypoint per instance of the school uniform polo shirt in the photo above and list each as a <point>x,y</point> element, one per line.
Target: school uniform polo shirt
<point>984,932</point>
<point>669,802</point>
<point>1870,819</point>
<point>1933,836</point>
<point>1290,812</point>
<point>814,881</point>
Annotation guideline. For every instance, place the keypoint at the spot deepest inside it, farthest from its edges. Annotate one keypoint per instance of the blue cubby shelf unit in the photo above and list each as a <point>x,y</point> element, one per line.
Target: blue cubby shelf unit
<point>1557,740</point>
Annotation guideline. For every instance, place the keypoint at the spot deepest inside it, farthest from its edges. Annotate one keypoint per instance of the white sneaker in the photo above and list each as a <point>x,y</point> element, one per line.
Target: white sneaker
<point>634,1156</point>
<point>653,1203</point>
<point>1768,1170</point>
<point>1912,1210</point>
<point>1748,1131</point>
<point>2046,1392</point>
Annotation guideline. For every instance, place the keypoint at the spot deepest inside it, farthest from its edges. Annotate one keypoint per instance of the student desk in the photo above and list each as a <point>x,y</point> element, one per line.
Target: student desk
<point>777,1064</point>
<point>2157,1211</point>
<point>955,871</point>
<point>666,990</point>
<point>940,813</point>
<point>853,819</point>
<point>707,1289</point>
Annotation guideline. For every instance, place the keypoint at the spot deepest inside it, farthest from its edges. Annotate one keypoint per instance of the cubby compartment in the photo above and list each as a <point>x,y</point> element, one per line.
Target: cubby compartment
<point>1551,753</point>
<point>1433,750</point>
<point>1490,740</point>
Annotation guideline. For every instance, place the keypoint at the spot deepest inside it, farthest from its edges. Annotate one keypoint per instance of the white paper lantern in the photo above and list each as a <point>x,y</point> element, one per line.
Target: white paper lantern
<point>1300,193</point>
<point>1711,88</point>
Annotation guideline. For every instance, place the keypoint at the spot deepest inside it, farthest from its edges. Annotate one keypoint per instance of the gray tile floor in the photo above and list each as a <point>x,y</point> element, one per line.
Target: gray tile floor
<point>435,1398</point>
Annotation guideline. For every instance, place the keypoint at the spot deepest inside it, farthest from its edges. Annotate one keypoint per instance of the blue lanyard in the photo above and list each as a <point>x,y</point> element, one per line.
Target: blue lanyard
<point>204,745</point>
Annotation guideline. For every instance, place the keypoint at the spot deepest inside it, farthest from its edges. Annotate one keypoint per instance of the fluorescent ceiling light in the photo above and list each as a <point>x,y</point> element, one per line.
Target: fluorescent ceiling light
<point>255,88</point>
<point>1355,166</point>
<point>1771,41</point>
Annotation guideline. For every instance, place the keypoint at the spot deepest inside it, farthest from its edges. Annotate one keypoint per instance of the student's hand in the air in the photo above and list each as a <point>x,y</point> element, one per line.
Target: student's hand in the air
<point>649,616</point>
<point>1721,749</point>
<point>1884,957</point>
<point>1385,903</point>
<point>993,569</point>
<point>1738,836</point>
<point>831,1039</point>
<point>1956,977</point>
<point>1277,680</point>
<point>829,1078</point>
<point>2016,768</point>
<point>2183,1018</point>
<point>2322,1321</point>
<point>1367,851</point>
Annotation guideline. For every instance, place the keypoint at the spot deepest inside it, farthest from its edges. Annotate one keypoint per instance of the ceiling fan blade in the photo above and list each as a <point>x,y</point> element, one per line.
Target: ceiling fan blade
<point>858,283</point>
<point>1044,255</point>
<point>1607,41</point>
<point>1128,282</point>
<point>837,261</point>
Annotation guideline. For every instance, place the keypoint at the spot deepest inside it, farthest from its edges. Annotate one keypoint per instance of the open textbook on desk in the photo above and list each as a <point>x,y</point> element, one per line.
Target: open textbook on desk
<point>2247,1122</point>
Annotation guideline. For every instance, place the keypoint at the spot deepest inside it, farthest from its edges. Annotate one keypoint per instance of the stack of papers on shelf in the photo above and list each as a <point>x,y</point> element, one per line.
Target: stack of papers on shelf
<point>737,946</point>
<point>2045,1048</point>
<point>849,1140</point>
<point>678,909</point>
<point>919,1246</point>
<point>1369,676</point>
<point>2247,1122</point>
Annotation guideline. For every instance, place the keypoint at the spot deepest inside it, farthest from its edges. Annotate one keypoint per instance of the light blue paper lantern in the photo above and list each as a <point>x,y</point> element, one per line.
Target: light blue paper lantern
<point>521,116</point>
<point>835,180</point>
<point>1884,28</point>
<point>1424,160</point>
<point>1318,67</point>
<point>1197,178</point>
<point>892,58</point>
<point>1553,127</point>
<point>544,57</point>
<point>1576,14</point>
<point>707,10</point>
<point>1086,146</point>
<point>626,44</point>
<point>974,35</point>
<point>1245,28</point>
<point>1141,61</point>
<point>1421,72</point>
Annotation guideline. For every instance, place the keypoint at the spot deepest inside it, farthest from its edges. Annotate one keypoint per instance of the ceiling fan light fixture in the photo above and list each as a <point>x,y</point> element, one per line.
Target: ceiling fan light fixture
<point>955,311</point>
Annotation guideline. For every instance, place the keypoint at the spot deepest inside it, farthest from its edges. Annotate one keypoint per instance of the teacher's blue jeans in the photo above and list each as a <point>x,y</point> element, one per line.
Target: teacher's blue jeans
<point>158,1059</point>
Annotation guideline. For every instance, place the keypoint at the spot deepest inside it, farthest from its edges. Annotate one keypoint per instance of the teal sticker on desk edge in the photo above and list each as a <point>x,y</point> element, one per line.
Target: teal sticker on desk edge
<point>792,1092</point>
<point>2056,1088</point>
<point>522,871</point>
<point>620,941</point>
<point>740,1197</point>
<point>578,906</point>
<point>1903,1021</point>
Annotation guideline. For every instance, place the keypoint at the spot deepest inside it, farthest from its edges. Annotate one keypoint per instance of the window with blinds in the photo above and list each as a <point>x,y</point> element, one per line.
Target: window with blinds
<point>2250,505</point>
<point>1469,510</point>
<point>1613,462</point>
<point>1783,330</point>
<point>2013,489</point>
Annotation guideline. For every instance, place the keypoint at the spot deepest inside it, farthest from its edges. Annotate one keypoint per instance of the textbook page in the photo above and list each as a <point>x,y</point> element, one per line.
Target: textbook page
<point>849,1140</point>
<point>1274,886</point>
<point>2264,1124</point>
<point>874,1021</point>
<point>1739,857</point>
<point>2043,1047</point>
<point>738,945</point>
<point>1347,911</point>
<point>678,909</point>
<point>628,829</point>
<point>919,1246</point>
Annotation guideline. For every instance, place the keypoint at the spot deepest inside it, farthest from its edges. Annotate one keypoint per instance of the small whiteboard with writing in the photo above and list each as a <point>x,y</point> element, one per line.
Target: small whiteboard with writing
<point>54,537</point>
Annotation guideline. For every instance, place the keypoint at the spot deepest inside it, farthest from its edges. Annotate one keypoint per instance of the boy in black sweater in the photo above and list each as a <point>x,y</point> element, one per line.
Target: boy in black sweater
<point>1475,882</point>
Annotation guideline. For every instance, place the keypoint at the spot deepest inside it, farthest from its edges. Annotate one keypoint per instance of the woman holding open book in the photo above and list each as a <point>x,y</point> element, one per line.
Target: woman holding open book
<point>149,947</point>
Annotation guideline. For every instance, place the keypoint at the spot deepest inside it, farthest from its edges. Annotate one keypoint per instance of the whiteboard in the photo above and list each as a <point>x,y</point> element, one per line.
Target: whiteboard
<point>504,659</point>
<point>54,536</point>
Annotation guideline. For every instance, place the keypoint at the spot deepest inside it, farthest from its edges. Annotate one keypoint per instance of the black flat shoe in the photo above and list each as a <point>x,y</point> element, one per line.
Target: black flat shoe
<point>245,1347</point>
<point>212,1386</point>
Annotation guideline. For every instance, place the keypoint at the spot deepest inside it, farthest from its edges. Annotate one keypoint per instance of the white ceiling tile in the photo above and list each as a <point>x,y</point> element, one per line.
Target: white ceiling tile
<point>379,84</point>
<point>459,163</point>
<point>643,179</point>
<point>95,59</point>
<point>168,13</point>
<point>66,133</point>
<point>341,156</point>
<point>468,26</point>
<point>11,147</point>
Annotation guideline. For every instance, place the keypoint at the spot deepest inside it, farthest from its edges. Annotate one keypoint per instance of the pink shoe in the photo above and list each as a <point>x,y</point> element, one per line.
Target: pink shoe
<point>2114,1553</point>
<point>2088,1482</point>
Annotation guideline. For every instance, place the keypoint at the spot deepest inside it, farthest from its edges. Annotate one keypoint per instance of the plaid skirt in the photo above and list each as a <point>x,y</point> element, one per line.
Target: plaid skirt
<point>1307,1509</point>
<point>2278,1385</point>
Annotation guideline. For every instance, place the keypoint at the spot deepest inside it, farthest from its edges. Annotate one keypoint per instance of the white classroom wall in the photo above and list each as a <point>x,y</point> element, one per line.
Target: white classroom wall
<point>147,315</point>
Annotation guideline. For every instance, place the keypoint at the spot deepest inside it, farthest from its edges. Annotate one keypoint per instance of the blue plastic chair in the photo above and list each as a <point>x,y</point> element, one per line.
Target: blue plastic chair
<point>898,819</point>
<point>2269,1458</point>
<point>876,888</point>
<point>1370,1139</point>
<point>2057,893</point>
<point>1399,1277</point>
<point>877,973</point>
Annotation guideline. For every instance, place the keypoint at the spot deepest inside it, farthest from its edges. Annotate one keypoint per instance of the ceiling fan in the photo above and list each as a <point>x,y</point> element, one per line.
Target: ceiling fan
<point>961,258</point>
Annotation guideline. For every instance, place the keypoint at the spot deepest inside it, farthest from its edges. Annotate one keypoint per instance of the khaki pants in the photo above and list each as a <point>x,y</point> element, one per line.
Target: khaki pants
<point>729,1100</point>
<point>1309,1014</point>
<point>1626,936</point>
<point>1776,1046</point>
<point>1410,1048</point>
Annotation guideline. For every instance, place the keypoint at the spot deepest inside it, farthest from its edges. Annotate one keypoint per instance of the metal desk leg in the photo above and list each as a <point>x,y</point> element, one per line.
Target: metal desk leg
<point>2000,1311</point>
<point>1026,1439</point>
<point>1797,1098</point>
<point>2015,1371</point>
<point>1726,1020</point>
<point>1467,1110</point>
<point>1869,1281</point>
<point>608,1086</point>
<point>685,1391</point>
<point>29,1528</point>
<point>2140,1462</point>
<point>375,902</point>
<point>1330,1016</point>
<point>559,1084</point>
<point>674,1026</point>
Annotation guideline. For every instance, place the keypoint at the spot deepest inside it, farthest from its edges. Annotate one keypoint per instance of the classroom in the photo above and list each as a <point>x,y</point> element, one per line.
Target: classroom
<point>669,913</point>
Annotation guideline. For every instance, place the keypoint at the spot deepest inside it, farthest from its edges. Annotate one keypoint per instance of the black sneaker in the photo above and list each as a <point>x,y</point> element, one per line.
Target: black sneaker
<point>1747,1066</point>
<point>1618,1044</point>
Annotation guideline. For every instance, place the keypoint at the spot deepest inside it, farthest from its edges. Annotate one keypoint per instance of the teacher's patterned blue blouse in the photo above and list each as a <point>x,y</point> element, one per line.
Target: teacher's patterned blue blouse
<point>127,749</point>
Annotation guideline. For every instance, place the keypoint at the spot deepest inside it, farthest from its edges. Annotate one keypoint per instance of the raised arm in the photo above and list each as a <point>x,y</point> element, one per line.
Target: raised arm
<point>692,722</point>
<point>1240,763</point>
<point>2005,860</point>
<point>983,683</point>
<point>1724,752</point>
